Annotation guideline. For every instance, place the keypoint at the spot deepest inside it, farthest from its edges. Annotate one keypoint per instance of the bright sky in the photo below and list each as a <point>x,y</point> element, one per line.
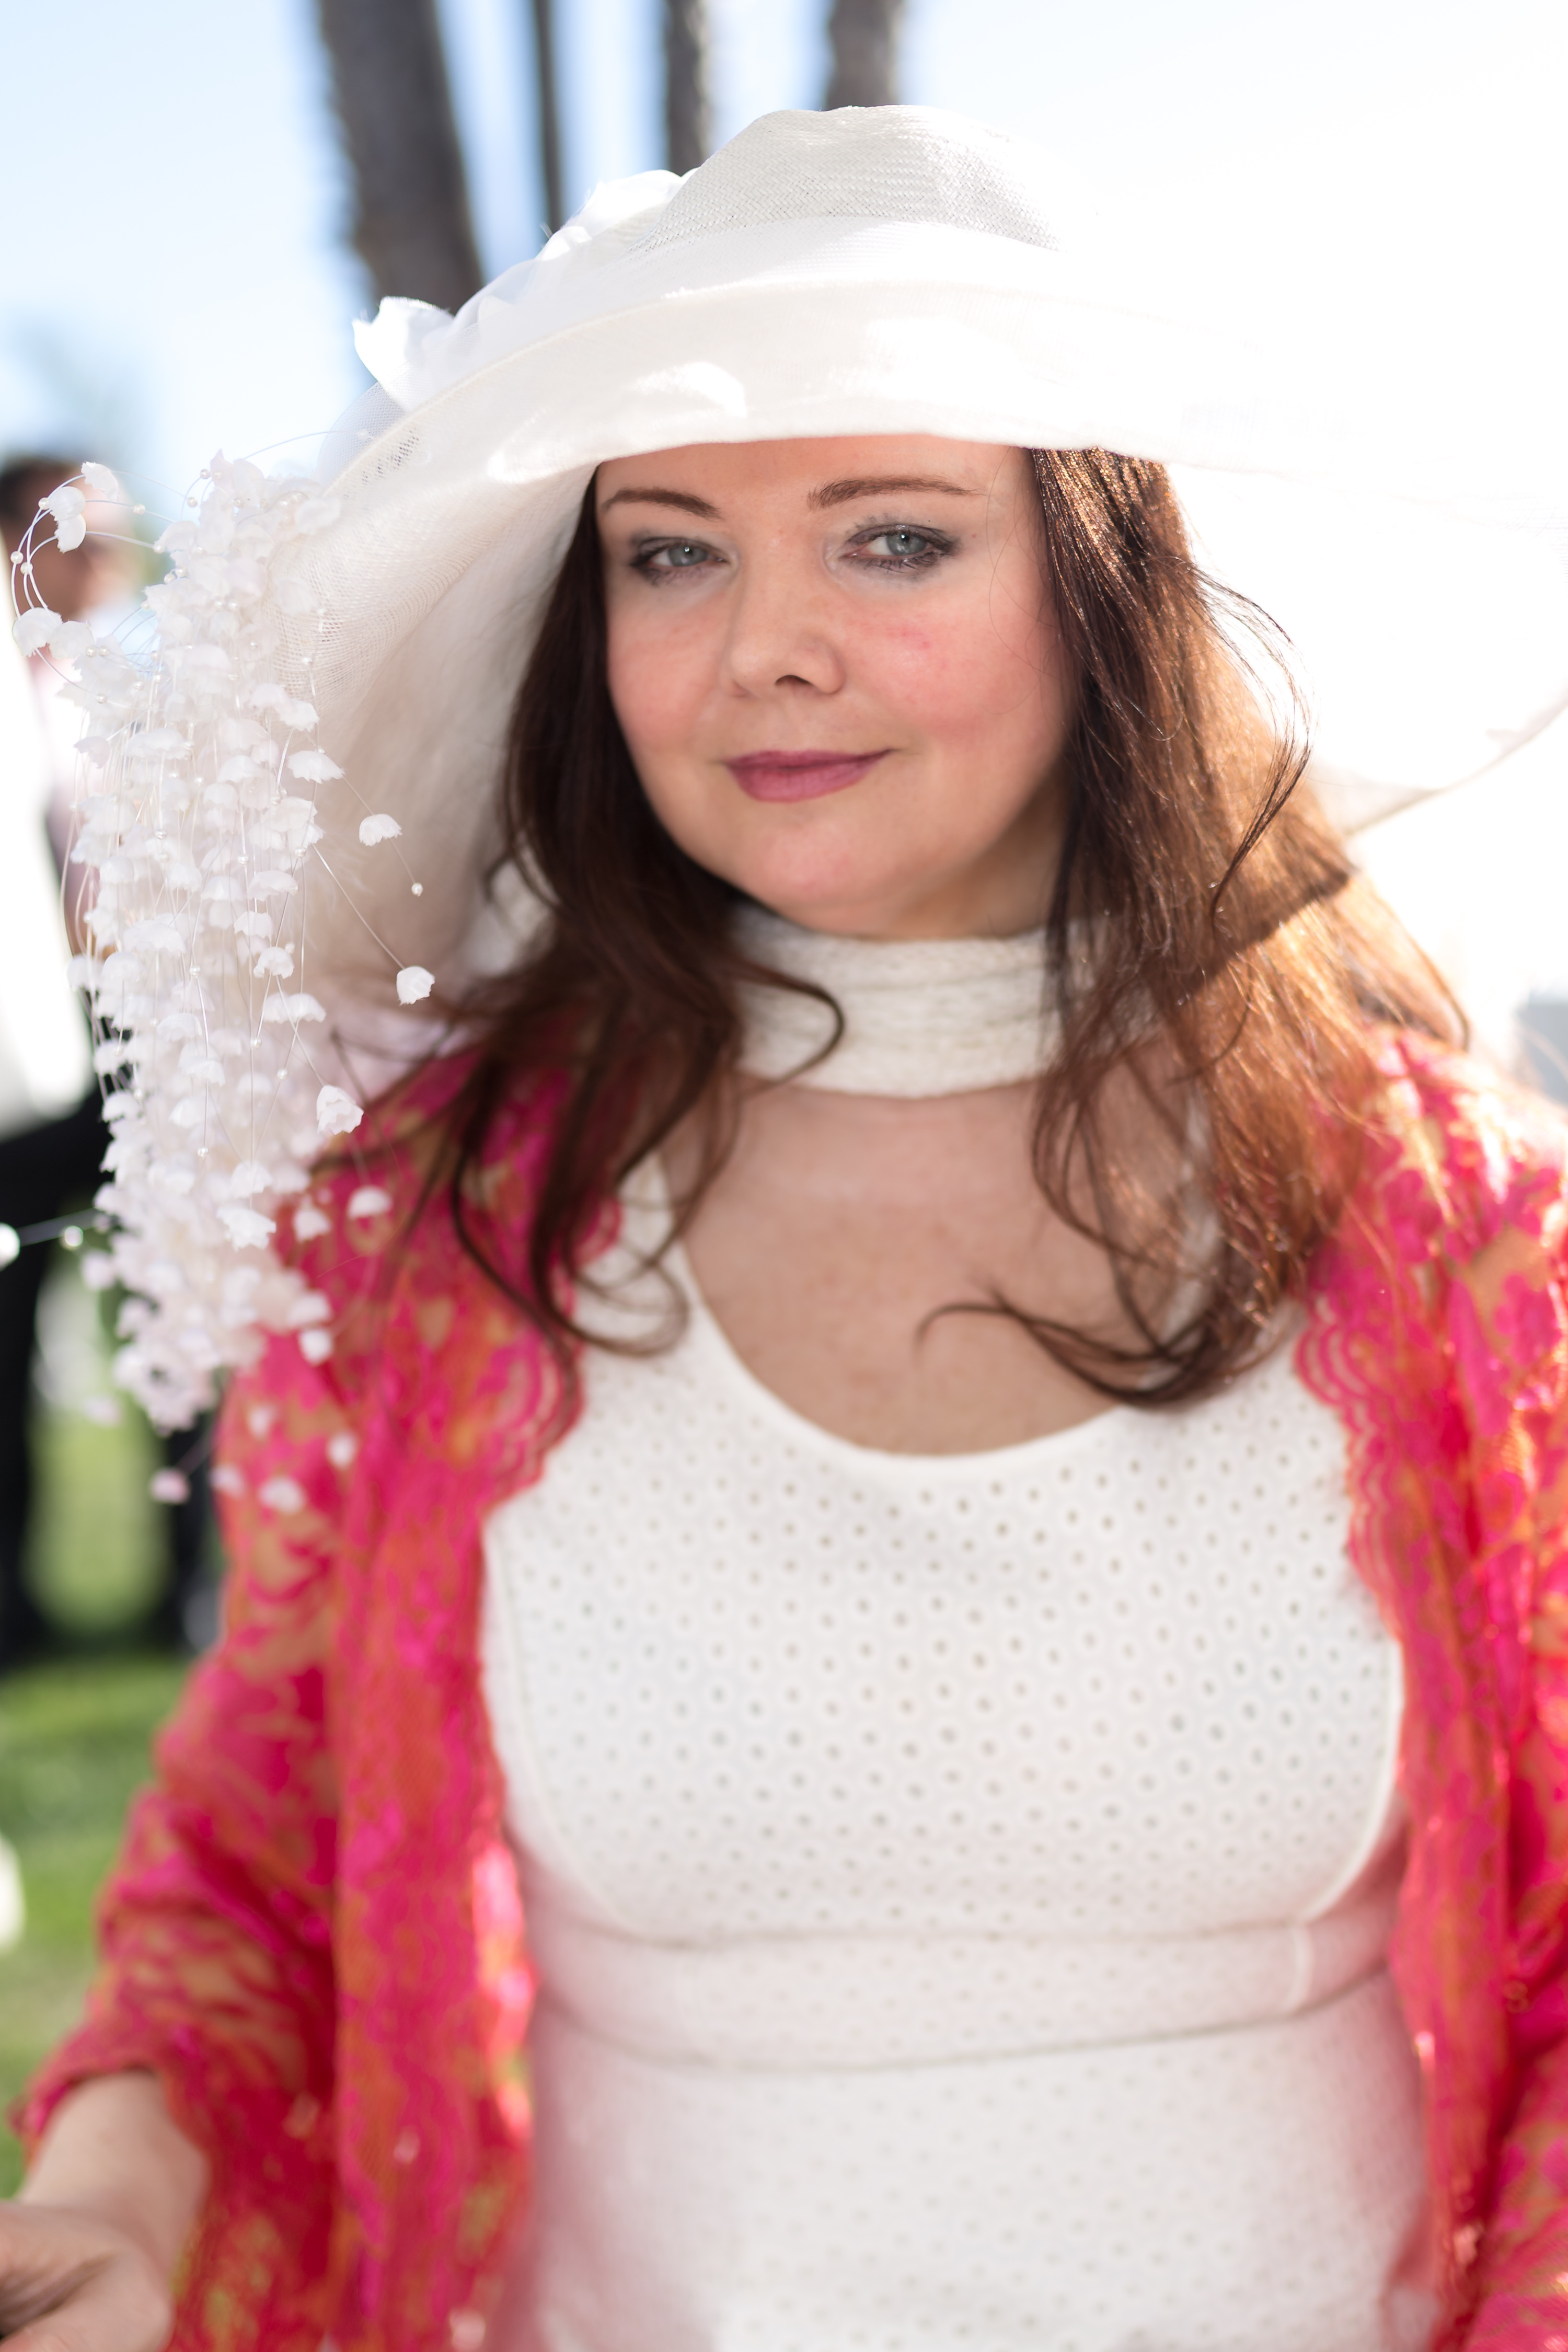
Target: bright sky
<point>1383,177</point>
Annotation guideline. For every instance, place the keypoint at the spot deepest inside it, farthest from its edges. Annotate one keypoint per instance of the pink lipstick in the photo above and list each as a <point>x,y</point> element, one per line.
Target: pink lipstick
<point>800,775</point>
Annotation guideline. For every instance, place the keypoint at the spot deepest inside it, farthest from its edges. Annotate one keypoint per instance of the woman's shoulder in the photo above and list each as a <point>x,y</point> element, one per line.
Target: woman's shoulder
<point>1475,1132</point>
<point>392,1227</point>
<point>406,1169</point>
<point>1466,1150</point>
<point>1446,1276</point>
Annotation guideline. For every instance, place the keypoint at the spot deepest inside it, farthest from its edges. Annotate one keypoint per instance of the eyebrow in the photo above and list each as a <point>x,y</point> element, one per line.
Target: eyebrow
<point>654,497</point>
<point>883,485</point>
<point>831,494</point>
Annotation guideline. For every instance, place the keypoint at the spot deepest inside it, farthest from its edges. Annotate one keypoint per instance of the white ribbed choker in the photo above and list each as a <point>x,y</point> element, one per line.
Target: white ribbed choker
<point>921,1016</point>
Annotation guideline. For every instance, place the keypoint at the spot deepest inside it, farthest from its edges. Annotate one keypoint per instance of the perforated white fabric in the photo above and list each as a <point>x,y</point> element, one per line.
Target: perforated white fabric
<point>1112,2200</point>
<point>960,1886</point>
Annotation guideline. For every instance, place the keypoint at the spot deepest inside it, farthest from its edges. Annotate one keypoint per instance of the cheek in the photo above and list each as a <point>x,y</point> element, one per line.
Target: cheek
<point>962,679</point>
<point>659,668</point>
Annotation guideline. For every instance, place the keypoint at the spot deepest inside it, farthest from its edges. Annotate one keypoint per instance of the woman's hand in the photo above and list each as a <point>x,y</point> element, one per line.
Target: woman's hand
<point>89,2250</point>
<point>71,2283</point>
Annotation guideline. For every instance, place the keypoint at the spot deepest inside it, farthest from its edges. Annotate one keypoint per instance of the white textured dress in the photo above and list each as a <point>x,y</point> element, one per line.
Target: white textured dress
<point>960,1885</point>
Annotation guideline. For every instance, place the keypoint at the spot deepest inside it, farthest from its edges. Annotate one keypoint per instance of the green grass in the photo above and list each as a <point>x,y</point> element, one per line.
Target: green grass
<point>73,1747</point>
<point>74,1730</point>
<point>97,1560</point>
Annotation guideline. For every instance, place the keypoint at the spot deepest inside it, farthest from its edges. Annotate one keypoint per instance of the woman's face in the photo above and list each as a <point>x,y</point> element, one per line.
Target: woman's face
<point>837,669</point>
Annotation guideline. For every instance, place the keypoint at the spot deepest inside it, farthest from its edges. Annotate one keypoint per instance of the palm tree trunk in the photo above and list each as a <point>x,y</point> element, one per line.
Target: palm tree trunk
<point>688,121</point>
<point>548,112</point>
<point>864,37</point>
<point>412,227</point>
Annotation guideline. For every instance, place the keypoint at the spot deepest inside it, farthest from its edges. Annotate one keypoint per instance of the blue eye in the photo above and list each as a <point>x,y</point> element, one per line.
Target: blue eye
<point>902,548</point>
<point>672,555</point>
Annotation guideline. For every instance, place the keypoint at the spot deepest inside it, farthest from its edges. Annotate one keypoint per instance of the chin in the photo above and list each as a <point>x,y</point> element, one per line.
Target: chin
<point>812,875</point>
<point>852,904</point>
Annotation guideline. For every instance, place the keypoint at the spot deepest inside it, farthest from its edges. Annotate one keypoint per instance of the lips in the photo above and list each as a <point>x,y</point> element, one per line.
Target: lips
<point>800,775</point>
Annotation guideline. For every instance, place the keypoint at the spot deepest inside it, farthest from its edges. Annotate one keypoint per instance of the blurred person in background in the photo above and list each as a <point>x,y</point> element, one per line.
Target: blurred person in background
<point>51,1127</point>
<point>52,1134</point>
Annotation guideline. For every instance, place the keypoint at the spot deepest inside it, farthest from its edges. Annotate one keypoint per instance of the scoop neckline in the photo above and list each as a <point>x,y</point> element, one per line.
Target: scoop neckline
<point>654,1196</point>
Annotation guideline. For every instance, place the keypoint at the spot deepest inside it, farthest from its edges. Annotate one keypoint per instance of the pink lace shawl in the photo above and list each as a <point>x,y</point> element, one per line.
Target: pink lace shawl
<point>313,1933</point>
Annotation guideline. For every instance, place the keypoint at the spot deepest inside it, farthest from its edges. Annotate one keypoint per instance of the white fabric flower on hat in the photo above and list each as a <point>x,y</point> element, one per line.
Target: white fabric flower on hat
<point>313,767</point>
<point>69,506</point>
<point>33,628</point>
<point>248,1228</point>
<point>337,1113</point>
<point>197,824</point>
<point>282,1493</point>
<point>291,709</point>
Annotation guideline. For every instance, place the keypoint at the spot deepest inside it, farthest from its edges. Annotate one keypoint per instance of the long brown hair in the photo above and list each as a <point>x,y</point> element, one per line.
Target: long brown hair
<point>1234,971</point>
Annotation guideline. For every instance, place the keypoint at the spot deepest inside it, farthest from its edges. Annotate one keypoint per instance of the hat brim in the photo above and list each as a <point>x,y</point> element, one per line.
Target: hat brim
<point>1430,624</point>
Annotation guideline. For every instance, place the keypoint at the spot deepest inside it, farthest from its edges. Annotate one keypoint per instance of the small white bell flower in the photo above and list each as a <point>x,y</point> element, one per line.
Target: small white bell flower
<point>282,1493</point>
<point>35,628</point>
<point>69,506</point>
<point>248,1228</point>
<point>337,1113</point>
<point>313,767</point>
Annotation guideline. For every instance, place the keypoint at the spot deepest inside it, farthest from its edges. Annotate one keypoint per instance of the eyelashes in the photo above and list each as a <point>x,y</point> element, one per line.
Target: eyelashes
<point>930,548</point>
<point>915,547</point>
<point>646,559</point>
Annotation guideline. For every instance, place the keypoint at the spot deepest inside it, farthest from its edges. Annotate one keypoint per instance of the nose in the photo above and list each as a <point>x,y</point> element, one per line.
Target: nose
<point>780,636</point>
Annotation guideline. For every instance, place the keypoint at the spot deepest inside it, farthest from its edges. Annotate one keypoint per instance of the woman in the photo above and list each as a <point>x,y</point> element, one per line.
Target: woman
<point>946,1432</point>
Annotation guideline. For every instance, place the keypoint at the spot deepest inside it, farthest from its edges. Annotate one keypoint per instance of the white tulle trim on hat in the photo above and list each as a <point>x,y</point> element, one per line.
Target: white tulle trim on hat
<point>196,825</point>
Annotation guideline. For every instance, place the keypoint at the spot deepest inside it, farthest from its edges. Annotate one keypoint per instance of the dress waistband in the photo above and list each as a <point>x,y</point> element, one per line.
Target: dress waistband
<point>852,2001</point>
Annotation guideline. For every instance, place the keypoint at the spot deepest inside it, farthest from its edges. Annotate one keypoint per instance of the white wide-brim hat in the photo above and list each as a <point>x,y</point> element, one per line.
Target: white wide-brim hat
<point>320,731</point>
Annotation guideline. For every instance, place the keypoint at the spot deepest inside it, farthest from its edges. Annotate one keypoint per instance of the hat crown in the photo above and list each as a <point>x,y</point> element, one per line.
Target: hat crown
<point>914,164</point>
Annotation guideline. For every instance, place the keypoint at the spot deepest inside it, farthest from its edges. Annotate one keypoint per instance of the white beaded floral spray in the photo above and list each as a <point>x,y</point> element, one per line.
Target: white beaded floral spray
<point>197,810</point>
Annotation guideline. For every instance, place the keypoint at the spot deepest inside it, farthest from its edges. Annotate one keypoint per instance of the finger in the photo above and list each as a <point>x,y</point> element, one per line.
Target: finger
<point>36,2281</point>
<point>113,2305</point>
